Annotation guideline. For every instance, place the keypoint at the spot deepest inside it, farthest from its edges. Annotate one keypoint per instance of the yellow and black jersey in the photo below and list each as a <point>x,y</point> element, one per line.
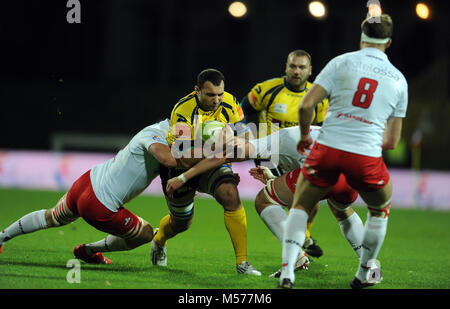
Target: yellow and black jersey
<point>188,113</point>
<point>278,104</point>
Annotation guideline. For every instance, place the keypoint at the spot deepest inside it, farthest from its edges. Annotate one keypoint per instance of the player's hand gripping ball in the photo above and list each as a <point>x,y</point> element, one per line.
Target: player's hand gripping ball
<point>211,130</point>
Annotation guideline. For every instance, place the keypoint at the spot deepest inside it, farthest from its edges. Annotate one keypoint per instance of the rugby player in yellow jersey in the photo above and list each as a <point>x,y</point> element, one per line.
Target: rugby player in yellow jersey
<point>276,102</point>
<point>208,101</point>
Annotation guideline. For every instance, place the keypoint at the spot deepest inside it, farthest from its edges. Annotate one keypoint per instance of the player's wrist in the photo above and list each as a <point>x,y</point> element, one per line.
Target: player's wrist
<point>304,136</point>
<point>182,178</point>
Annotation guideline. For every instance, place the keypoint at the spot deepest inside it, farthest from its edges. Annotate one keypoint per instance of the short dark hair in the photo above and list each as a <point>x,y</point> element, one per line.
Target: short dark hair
<point>299,53</point>
<point>379,27</point>
<point>212,75</point>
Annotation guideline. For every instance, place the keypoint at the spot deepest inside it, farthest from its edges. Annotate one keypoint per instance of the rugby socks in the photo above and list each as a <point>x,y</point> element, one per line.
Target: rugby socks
<point>374,233</point>
<point>308,230</point>
<point>29,223</point>
<point>274,217</point>
<point>353,230</point>
<point>293,239</point>
<point>236,224</point>
<point>165,231</point>
<point>108,244</point>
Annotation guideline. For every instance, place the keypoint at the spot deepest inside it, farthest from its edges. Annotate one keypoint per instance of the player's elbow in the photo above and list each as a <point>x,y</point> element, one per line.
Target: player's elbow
<point>390,143</point>
<point>168,161</point>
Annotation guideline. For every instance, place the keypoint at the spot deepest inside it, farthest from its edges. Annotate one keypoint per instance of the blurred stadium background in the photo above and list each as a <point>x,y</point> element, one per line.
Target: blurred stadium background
<point>89,86</point>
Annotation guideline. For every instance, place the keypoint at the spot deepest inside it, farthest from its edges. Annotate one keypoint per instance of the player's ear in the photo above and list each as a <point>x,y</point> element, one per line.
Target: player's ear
<point>389,43</point>
<point>197,89</point>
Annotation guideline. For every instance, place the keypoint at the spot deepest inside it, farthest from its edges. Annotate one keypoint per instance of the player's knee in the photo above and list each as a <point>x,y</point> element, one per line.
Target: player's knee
<point>49,219</point>
<point>381,211</point>
<point>261,202</point>
<point>60,214</point>
<point>144,236</point>
<point>227,195</point>
<point>340,213</point>
<point>179,226</point>
<point>146,233</point>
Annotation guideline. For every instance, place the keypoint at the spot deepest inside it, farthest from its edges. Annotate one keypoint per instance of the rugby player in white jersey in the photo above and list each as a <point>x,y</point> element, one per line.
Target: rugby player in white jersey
<point>368,99</point>
<point>271,201</point>
<point>99,194</point>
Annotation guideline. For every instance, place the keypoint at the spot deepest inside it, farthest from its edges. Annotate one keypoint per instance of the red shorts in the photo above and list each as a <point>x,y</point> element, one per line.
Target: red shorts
<point>341,192</point>
<point>81,200</point>
<point>324,165</point>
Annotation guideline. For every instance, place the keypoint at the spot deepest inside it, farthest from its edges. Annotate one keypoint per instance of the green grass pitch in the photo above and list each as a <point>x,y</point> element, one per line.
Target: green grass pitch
<point>415,254</point>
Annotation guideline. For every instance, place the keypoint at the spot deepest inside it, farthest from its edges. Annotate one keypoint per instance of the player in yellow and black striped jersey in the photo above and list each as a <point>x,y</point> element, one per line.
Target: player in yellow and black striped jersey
<point>276,101</point>
<point>200,106</point>
<point>208,101</point>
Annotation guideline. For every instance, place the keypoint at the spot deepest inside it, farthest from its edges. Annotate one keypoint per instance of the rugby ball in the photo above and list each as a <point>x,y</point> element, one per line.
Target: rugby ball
<point>211,129</point>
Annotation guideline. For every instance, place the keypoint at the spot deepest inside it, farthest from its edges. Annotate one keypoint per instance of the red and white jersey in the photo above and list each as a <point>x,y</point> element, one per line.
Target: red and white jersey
<point>364,89</point>
<point>125,176</point>
<point>281,148</point>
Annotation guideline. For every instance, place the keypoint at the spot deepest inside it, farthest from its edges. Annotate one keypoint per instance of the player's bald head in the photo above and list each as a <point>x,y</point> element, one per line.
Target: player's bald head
<point>298,53</point>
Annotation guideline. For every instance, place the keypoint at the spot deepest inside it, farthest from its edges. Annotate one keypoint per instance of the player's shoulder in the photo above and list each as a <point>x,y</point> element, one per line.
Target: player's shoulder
<point>271,83</point>
<point>230,99</point>
<point>185,105</point>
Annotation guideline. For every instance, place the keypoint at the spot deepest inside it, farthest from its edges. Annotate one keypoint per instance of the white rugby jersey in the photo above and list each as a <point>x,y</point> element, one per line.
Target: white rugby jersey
<point>364,89</point>
<point>281,148</point>
<point>125,176</point>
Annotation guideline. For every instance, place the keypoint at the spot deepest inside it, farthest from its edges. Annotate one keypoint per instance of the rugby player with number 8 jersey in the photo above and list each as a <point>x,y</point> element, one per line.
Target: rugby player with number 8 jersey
<point>368,98</point>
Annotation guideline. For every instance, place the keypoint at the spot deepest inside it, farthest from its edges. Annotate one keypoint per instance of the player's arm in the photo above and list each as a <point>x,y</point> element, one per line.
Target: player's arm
<point>251,103</point>
<point>314,96</point>
<point>201,167</point>
<point>262,174</point>
<point>392,133</point>
<point>163,154</point>
<point>247,107</point>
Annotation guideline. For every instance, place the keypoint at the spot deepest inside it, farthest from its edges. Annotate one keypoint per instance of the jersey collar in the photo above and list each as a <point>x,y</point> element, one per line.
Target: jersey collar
<point>375,52</point>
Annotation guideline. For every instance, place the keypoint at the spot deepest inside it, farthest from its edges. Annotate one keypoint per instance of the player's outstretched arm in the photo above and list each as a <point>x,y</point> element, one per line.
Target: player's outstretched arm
<point>163,154</point>
<point>392,133</point>
<point>204,165</point>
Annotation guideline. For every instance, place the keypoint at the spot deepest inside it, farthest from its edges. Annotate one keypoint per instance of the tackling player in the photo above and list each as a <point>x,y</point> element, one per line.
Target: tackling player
<point>276,102</point>
<point>99,194</point>
<point>207,102</point>
<point>368,100</point>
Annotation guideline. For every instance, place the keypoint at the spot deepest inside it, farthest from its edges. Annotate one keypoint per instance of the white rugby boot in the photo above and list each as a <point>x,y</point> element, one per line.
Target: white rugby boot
<point>245,268</point>
<point>158,253</point>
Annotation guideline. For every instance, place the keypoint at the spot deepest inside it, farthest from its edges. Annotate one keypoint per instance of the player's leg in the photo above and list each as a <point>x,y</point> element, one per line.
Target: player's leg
<point>311,247</point>
<point>339,199</point>
<point>318,176</point>
<point>125,228</point>
<point>350,223</point>
<point>126,231</point>
<point>57,216</point>
<point>306,196</point>
<point>379,204</point>
<point>373,183</point>
<point>179,219</point>
<point>222,184</point>
<point>269,204</point>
